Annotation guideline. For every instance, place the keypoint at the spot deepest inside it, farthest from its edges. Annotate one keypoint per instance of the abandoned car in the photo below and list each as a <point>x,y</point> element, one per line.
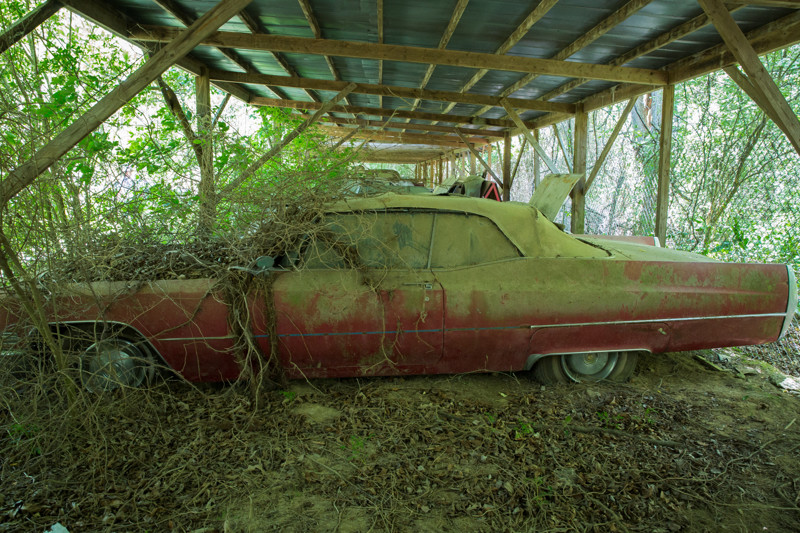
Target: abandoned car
<point>423,284</point>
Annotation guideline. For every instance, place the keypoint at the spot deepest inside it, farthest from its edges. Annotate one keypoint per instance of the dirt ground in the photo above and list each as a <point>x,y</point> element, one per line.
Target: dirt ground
<point>682,447</point>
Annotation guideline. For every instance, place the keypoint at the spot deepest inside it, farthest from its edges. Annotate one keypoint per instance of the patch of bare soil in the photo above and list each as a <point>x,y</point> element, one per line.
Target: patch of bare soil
<point>682,447</point>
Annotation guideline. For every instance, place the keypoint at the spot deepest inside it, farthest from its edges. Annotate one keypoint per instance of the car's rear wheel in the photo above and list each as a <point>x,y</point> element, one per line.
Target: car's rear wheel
<point>112,363</point>
<point>577,368</point>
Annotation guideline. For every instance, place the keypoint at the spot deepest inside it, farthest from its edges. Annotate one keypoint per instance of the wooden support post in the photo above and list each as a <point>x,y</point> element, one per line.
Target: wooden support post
<point>207,188</point>
<point>758,76</point>
<point>476,155</point>
<point>579,167</point>
<point>537,170</point>
<point>507,178</point>
<point>440,177</point>
<point>28,23</point>
<point>664,151</point>
<point>610,142</point>
<point>472,167</point>
<point>186,40</point>
<point>512,114</point>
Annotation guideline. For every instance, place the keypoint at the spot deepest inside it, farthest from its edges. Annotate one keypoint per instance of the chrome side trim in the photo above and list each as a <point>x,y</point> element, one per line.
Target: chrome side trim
<point>656,320</point>
<point>791,305</point>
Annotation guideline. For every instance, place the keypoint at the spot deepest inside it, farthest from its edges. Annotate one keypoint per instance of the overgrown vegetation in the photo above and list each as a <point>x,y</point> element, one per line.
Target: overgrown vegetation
<point>132,203</point>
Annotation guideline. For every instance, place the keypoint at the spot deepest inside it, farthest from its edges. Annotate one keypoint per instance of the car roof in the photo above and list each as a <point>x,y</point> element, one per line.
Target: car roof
<point>525,226</point>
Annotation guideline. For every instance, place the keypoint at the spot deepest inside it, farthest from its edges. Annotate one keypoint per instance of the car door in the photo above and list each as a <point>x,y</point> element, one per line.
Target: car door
<point>362,300</point>
<point>486,323</point>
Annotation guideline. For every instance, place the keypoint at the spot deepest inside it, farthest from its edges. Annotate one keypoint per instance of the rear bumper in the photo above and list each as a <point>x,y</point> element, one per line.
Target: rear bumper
<point>791,306</point>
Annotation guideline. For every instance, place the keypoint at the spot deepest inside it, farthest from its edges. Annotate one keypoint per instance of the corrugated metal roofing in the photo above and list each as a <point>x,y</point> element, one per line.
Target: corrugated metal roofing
<point>484,27</point>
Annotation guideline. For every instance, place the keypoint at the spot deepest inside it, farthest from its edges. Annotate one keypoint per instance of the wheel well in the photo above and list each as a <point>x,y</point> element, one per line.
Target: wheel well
<point>533,358</point>
<point>76,336</point>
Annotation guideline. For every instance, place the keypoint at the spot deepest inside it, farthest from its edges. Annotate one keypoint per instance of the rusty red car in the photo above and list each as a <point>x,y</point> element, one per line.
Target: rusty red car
<point>441,285</point>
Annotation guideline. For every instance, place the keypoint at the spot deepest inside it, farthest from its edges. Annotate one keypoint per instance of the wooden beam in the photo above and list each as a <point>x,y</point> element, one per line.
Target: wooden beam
<point>789,4</point>
<point>24,175</point>
<point>756,94</point>
<point>383,124</point>
<point>601,159</point>
<point>664,155</point>
<point>560,141</point>
<point>389,90</point>
<point>536,14</point>
<point>402,137</point>
<point>28,23</point>
<point>358,110</point>
<point>380,41</point>
<point>757,74</point>
<point>411,54</point>
<point>207,194</point>
<point>764,39</point>
<point>275,150</point>
<point>523,128</point>
<point>317,31</point>
<point>507,177</point>
<point>578,193</point>
<point>478,157</point>
<point>458,12</point>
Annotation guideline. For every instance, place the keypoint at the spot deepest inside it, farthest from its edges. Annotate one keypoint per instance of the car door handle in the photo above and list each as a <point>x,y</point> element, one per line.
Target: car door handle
<point>427,286</point>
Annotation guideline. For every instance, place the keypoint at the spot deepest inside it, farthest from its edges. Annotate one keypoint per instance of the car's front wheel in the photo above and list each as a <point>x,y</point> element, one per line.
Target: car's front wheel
<point>580,367</point>
<point>112,363</point>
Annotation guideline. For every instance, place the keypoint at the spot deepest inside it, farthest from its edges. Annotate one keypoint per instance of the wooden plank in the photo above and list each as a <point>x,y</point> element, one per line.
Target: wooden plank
<point>478,157</point>
<point>664,155</point>
<point>523,128</point>
<point>601,159</point>
<point>411,54</point>
<point>275,150</point>
<point>757,74</point>
<point>380,41</point>
<point>388,90</point>
<point>24,175</point>
<point>549,196</point>
<point>28,23</point>
<point>578,194</point>
<point>409,126</point>
<point>400,113</point>
<point>402,137</point>
<point>507,177</point>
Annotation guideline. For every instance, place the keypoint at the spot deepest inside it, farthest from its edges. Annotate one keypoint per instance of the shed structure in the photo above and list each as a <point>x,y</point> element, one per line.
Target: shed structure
<point>425,81</point>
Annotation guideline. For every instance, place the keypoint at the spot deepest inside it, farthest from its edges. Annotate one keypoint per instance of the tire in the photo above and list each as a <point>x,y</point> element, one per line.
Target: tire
<point>116,362</point>
<point>590,367</point>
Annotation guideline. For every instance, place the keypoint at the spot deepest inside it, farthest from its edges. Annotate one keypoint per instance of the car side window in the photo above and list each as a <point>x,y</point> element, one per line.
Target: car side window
<point>376,239</point>
<point>461,239</point>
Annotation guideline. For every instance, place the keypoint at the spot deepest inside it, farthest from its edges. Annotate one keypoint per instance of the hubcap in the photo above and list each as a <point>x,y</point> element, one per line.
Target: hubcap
<point>110,364</point>
<point>589,366</point>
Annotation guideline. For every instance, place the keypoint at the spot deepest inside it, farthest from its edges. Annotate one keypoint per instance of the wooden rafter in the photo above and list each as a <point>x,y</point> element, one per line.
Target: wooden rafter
<point>255,26</point>
<point>678,32</point>
<point>519,32</point>
<point>760,80</point>
<point>389,90</point>
<point>317,31</point>
<point>24,175</point>
<point>177,11</point>
<point>399,113</point>
<point>455,18</point>
<point>411,54</point>
<point>771,36</point>
<point>28,23</point>
<point>410,126</point>
<point>583,41</point>
<point>405,138</point>
<point>117,23</point>
<point>380,41</point>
